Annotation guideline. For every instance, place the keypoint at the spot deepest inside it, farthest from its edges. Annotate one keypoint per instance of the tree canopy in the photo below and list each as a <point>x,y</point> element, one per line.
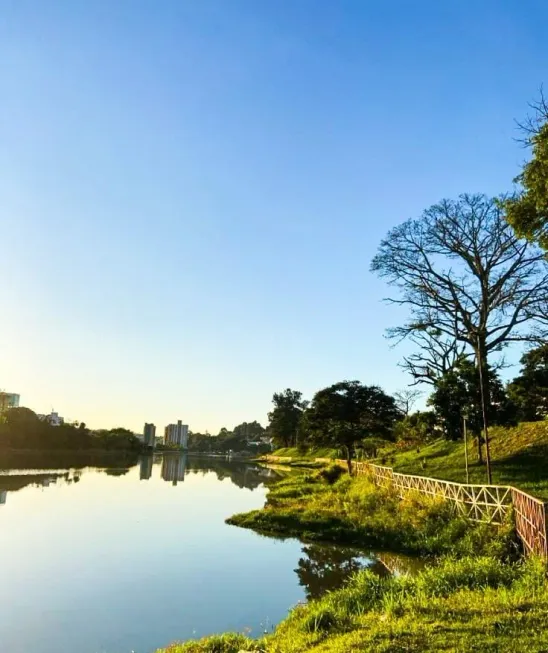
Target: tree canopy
<point>285,418</point>
<point>529,390</point>
<point>348,412</point>
<point>458,394</point>
<point>528,211</point>
<point>23,429</point>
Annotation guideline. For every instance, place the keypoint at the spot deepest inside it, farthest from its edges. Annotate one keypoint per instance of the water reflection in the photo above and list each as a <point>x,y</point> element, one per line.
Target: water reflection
<point>324,568</point>
<point>241,473</point>
<point>217,573</point>
<point>117,471</point>
<point>173,468</point>
<point>145,468</point>
<point>13,482</point>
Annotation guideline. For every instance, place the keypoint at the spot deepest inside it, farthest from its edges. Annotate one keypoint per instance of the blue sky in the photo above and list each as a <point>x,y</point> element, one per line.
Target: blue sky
<point>191,192</point>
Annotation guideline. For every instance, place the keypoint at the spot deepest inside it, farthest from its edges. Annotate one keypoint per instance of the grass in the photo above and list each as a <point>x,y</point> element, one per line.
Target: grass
<point>353,511</point>
<point>308,454</point>
<point>478,597</point>
<point>467,604</point>
<point>519,458</point>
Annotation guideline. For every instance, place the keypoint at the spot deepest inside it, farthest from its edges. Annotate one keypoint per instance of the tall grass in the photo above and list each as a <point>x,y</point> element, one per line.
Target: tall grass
<point>519,458</point>
<point>354,511</point>
<point>468,604</point>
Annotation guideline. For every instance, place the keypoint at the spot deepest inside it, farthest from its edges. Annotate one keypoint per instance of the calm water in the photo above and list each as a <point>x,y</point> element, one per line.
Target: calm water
<point>121,560</point>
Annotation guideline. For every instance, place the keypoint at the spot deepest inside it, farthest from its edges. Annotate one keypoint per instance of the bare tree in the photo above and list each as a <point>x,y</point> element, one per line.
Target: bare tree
<point>406,399</point>
<point>533,123</point>
<point>469,280</point>
<point>434,357</point>
<point>467,277</point>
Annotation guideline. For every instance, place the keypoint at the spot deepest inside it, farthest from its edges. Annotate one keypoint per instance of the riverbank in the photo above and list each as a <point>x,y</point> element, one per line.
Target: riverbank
<point>471,604</point>
<point>330,506</point>
<point>480,595</point>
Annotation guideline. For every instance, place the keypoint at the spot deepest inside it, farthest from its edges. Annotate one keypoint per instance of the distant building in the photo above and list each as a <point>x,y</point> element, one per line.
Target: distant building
<point>145,471</point>
<point>149,435</point>
<point>173,468</point>
<point>53,418</point>
<point>177,434</point>
<point>8,400</point>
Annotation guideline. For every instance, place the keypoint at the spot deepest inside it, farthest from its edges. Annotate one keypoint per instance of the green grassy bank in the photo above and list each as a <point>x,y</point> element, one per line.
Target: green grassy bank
<point>471,604</point>
<point>478,596</point>
<point>330,506</point>
<point>519,456</point>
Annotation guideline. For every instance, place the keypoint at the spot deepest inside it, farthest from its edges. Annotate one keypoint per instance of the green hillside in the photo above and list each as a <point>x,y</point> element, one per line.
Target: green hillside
<point>519,456</point>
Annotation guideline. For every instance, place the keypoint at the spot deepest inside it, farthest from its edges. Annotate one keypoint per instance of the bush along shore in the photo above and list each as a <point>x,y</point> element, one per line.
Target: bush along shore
<point>478,594</point>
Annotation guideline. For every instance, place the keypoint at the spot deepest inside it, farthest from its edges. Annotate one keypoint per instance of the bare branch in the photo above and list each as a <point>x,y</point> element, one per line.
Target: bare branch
<point>469,281</point>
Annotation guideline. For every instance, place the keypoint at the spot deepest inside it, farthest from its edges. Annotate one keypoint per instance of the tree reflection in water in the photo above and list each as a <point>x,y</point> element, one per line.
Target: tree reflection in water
<point>241,473</point>
<point>324,568</point>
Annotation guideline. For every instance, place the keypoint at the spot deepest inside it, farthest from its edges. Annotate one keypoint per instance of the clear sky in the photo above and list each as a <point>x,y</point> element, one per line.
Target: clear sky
<point>191,192</point>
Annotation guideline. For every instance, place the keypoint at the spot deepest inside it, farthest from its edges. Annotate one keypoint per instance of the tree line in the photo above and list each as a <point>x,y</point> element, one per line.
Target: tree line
<point>245,437</point>
<point>473,273</point>
<point>21,428</point>
<point>358,419</point>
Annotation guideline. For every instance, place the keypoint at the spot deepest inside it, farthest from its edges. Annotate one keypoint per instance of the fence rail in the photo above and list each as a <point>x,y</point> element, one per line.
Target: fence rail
<point>485,503</point>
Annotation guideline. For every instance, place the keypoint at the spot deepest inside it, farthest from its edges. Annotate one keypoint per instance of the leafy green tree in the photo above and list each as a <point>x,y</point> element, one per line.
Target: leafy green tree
<point>529,390</point>
<point>458,394</point>
<point>417,427</point>
<point>249,430</point>
<point>199,442</point>
<point>23,429</point>
<point>285,418</point>
<point>348,412</point>
<point>528,211</point>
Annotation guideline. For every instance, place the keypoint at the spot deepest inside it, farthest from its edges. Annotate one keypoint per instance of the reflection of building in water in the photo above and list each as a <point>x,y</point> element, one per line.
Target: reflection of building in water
<point>149,435</point>
<point>173,468</point>
<point>177,434</point>
<point>3,497</point>
<point>145,471</point>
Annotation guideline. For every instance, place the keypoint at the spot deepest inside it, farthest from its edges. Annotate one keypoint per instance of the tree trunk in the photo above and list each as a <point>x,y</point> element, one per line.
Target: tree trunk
<point>480,449</point>
<point>349,459</point>
<point>485,395</point>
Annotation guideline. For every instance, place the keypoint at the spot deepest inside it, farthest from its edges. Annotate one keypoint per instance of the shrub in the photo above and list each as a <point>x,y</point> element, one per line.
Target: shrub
<point>331,474</point>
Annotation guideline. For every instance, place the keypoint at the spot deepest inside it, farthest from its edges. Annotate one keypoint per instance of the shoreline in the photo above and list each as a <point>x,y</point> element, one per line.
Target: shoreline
<point>479,595</point>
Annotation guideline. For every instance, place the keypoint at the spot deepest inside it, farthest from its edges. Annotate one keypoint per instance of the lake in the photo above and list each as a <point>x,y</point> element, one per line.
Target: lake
<point>115,560</point>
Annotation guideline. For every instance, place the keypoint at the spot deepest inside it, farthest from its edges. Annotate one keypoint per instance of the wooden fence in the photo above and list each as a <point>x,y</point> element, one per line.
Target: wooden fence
<point>487,503</point>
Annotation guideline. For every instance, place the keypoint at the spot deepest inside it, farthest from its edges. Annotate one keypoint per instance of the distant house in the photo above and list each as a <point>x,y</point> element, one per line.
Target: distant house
<point>264,441</point>
<point>53,418</point>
